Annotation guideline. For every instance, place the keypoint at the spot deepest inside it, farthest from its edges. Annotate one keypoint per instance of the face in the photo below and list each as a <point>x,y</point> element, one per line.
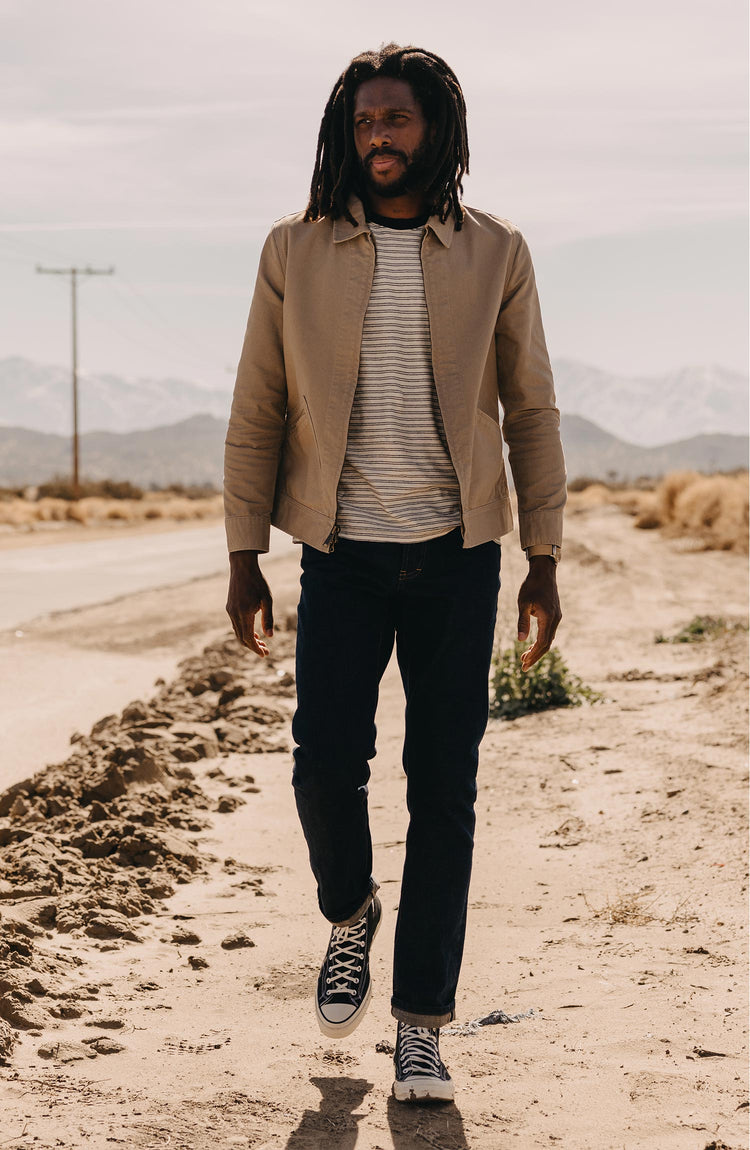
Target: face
<point>391,136</point>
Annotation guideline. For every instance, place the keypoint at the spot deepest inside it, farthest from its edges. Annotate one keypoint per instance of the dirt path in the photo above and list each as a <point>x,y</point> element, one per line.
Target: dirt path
<point>608,898</point>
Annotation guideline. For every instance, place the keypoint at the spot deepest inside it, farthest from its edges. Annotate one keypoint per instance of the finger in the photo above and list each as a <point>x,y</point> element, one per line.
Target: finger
<point>247,634</point>
<point>532,656</point>
<point>545,633</point>
<point>524,622</point>
<point>235,626</point>
<point>266,615</point>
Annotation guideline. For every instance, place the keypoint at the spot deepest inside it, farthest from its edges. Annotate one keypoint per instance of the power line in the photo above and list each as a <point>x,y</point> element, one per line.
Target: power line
<point>74,273</point>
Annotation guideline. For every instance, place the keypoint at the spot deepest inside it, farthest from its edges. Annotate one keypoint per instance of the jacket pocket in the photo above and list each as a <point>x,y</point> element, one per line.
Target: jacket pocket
<point>488,480</point>
<point>299,467</point>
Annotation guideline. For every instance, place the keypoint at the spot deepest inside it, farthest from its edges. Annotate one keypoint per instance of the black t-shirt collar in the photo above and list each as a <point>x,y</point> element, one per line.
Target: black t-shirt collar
<point>398,223</point>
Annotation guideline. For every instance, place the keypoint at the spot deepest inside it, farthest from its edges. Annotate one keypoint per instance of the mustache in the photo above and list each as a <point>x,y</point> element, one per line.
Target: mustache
<point>384,152</point>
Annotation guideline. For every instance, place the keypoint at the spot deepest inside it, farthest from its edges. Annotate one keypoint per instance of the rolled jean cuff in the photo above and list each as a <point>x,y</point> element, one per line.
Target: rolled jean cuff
<point>429,1020</point>
<point>374,887</point>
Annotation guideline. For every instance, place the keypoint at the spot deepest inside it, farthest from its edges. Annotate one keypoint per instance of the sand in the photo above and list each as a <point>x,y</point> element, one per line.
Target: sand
<point>159,938</point>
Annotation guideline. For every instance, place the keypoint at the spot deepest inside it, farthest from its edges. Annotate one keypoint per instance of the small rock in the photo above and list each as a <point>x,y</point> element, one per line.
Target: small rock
<point>197,962</point>
<point>187,753</point>
<point>23,1015</point>
<point>105,1024</point>
<point>66,1010</point>
<point>384,1047</point>
<point>183,937</point>
<point>135,712</point>
<point>7,1040</point>
<point>236,941</point>
<point>228,803</point>
<point>108,785</point>
<point>102,725</point>
<point>110,924</point>
<point>105,1045</point>
<point>19,808</point>
<point>65,1051</point>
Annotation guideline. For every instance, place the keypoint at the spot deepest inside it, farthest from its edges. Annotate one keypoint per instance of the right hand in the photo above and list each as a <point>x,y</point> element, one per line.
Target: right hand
<point>248,594</point>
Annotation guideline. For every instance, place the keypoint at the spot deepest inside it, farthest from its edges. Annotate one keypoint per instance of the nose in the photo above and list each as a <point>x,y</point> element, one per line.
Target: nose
<point>379,134</point>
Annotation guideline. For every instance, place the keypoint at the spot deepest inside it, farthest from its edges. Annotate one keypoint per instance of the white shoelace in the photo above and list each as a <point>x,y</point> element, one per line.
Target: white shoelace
<point>346,952</point>
<point>418,1051</point>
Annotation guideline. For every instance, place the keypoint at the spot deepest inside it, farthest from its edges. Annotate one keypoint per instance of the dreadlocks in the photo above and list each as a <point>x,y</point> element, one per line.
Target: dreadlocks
<point>438,91</point>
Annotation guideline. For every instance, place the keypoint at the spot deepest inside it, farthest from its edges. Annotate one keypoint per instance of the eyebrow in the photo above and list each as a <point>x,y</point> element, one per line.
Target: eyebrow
<point>395,108</point>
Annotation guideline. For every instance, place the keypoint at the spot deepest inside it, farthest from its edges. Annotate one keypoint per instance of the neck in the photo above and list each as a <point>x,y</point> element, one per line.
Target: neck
<point>406,207</point>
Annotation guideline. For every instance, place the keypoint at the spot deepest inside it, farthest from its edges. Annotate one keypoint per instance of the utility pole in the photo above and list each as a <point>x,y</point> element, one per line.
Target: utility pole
<point>74,273</point>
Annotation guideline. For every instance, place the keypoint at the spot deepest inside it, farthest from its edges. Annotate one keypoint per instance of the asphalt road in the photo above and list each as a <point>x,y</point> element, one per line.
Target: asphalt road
<point>37,581</point>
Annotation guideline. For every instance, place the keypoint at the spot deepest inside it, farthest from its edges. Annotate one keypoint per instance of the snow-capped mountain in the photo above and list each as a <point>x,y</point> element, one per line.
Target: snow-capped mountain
<point>652,410</point>
<point>645,410</point>
<point>38,396</point>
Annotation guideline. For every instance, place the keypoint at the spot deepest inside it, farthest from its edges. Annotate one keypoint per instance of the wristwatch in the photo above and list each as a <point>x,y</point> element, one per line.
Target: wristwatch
<point>551,549</point>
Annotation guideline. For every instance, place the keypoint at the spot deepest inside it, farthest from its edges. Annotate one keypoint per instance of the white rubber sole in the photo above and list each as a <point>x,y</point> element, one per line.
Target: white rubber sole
<point>423,1090</point>
<point>344,1029</point>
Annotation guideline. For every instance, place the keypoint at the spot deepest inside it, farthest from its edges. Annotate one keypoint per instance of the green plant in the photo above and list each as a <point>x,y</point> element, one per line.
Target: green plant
<point>701,627</point>
<point>548,684</point>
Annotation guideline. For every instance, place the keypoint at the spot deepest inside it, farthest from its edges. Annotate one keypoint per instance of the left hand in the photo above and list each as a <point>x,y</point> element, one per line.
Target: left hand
<point>538,597</point>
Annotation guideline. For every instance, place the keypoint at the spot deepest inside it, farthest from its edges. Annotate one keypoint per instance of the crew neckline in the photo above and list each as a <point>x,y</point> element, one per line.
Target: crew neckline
<point>398,223</point>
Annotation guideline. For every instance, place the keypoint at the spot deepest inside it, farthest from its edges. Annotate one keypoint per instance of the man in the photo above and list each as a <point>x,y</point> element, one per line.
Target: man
<point>387,321</point>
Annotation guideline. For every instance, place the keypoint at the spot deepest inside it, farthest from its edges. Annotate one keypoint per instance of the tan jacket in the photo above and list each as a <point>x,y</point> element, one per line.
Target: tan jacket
<point>298,372</point>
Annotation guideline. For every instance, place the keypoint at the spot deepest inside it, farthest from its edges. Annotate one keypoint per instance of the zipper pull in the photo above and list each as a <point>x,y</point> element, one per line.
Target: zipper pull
<point>331,540</point>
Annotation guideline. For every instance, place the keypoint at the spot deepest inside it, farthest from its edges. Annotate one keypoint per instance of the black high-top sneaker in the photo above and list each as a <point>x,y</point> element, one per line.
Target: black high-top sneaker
<point>420,1072</point>
<point>344,985</point>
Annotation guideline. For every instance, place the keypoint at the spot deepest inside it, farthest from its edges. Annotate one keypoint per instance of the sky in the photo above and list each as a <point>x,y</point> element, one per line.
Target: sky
<point>163,138</point>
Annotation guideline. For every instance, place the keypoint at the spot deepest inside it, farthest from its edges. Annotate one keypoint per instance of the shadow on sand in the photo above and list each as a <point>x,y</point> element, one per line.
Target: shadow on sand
<point>333,1125</point>
<point>429,1124</point>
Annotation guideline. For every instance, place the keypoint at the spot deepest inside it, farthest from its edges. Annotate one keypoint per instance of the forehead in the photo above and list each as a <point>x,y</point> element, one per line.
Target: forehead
<point>384,92</point>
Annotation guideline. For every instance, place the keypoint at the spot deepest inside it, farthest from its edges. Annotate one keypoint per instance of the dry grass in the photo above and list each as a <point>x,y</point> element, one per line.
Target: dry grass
<point>94,510</point>
<point>637,908</point>
<point>710,508</point>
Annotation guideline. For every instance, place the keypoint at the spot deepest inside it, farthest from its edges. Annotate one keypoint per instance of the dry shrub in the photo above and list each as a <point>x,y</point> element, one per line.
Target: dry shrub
<point>77,512</point>
<point>17,512</point>
<point>51,509</point>
<point>93,509</point>
<point>121,509</point>
<point>646,510</point>
<point>670,489</point>
<point>714,508</point>
<point>595,495</point>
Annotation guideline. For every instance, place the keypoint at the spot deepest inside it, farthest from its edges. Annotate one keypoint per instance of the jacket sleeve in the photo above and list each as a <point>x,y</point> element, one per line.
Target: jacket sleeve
<point>257,419</point>
<point>531,424</point>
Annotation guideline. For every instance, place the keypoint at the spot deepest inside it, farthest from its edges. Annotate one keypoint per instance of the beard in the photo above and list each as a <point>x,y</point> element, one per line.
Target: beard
<point>415,177</point>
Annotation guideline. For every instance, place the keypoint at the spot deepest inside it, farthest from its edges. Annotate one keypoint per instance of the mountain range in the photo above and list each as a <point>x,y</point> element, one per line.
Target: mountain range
<point>641,410</point>
<point>191,452</point>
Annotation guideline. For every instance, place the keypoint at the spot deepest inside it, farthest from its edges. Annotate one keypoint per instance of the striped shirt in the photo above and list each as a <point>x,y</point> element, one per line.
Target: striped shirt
<point>397,483</point>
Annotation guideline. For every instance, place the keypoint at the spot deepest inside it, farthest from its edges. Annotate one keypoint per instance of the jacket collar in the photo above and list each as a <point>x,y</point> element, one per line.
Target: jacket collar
<point>343,230</point>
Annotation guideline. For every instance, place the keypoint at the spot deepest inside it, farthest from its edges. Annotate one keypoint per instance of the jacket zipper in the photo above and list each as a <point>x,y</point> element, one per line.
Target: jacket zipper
<point>330,542</point>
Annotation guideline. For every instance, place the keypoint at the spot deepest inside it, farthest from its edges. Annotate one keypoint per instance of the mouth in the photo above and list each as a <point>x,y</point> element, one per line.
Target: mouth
<point>383,163</point>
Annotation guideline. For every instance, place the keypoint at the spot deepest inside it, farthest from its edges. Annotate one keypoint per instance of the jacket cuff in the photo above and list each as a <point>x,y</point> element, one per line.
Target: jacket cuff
<point>248,532</point>
<point>536,527</point>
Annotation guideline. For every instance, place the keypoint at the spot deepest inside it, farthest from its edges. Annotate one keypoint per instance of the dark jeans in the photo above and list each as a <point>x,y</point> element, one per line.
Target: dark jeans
<point>439,601</point>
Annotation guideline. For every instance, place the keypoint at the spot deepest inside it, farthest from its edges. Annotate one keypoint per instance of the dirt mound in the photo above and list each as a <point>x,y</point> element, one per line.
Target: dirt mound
<point>90,844</point>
